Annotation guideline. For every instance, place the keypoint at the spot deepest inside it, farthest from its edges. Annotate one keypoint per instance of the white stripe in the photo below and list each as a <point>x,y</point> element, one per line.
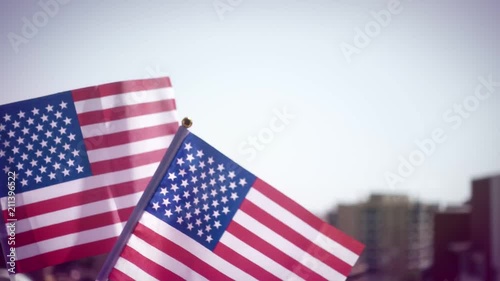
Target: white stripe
<point>287,247</point>
<point>193,247</point>
<point>132,270</point>
<point>128,149</point>
<point>69,240</point>
<point>79,185</point>
<point>118,100</point>
<point>80,211</point>
<point>127,124</point>
<point>163,260</point>
<point>303,228</point>
<point>257,257</point>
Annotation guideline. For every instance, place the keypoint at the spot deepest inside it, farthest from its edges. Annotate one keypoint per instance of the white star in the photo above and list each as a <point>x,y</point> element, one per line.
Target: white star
<point>20,140</point>
<point>45,118</point>
<point>63,104</point>
<point>52,149</point>
<point>187,146</point>
<point>198,222</point>
<point>20,166</point>
<point>61,156</point>
<point>207,217</point>
<point>35,111</point>
<point>34,137</point>
<point>177,198</point>
<point>234,196</point>
<point>65,172</point>
<point>56,166</point>
<point>166,202</point>
<point>75,153</point>
<point>192,168</point>
<point>15,150</point>
<point>203,186</point>
<point>202,164</point>
<point>31,121</point>
<point>11,134</point>
<point>200,232</point>
<point>190,226</point>
<point>6,143</point>
<point>66,146</point>
<point>213,193</point>
<point>47,159</point>
<point>195,190</point>
<point>210,160</point>
<point>67,121</point>
<point>187,206</point>
<point>168,213</point>
<point>186,194</point>
<point>6,169</point>
<point>199,153</point>
<point>212,182</point>
<point>48,134</point>
<point>38,179</point>
<point>178,209</point>
<point>2,153</point>
<point>208,228</point>
<point>11,160</point>
<point>209,238</point>
<point>243,182</point>
<point>24,156</point>
<point>223,188</point>
<point>194,179</point>
<point>71,137</point>
<point>179,220</point>
<point>39,127</point>
<point>222,178</point>
<point>49,108</point>
<point>16,124</point>
<point>29,173</point>
<point>79,169</point>
<point>163,191</point>
<point>190,158</point>
<point>43,143</point>
<point>197,211</point>
<point>70,163</point>
<point>52,175</point>
<point>225,210</point>
<point>53,124</point>
<point>38,153</point>
<point>180,161</point>
<point>156,206</point>
<point>171,176</point>
<point>2,127</point>
<point>224,199</point>
<point>6,117</point>
<point>196,201</point>
<point>25,131</point>
<point>58,114</point>
<point>20,114</point>
<point>220,167</point>
<point>232,185</point>
<point>211,171</point>
<point>57,140</point>
<point>43,169</point>
<point>182,172</point>
<point>215,203</point>
<point>231,175</point>
<point>62,131</point>
<point>184,183</point>
<point>174,187</point>
<point>217,224</point>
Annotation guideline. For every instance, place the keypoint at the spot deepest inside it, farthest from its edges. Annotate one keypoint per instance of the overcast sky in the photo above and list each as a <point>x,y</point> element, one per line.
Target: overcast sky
<point>333,99</point>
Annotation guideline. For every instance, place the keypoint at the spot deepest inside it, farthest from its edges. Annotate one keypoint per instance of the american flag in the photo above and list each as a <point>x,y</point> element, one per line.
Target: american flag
<point>203,217</point>
<point>82,160</point>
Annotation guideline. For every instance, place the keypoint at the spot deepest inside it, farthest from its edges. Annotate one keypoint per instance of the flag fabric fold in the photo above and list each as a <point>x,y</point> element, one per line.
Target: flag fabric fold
<point>81,161</point>
<point>204,217</point>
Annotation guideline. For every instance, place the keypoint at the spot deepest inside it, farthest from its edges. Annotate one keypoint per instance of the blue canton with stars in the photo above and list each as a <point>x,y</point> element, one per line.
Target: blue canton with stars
<point>200,192</point>
<point>41,141</point>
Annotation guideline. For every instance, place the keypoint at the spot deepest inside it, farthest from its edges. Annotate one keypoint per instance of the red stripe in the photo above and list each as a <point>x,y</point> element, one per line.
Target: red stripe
<point>73,226</point>
<point>127,162</point>
<point>127,111</point>
<point>149,266</point>
<point>65,255</point>
<point>306,216</point>
<point>120,88</point>
<point>175,251</point>
<point>130,136</point>
<point>243,263</point>
<point>117,275</point>
<point>80,198</point>
<point>295,237</point>
<point>271,251</point>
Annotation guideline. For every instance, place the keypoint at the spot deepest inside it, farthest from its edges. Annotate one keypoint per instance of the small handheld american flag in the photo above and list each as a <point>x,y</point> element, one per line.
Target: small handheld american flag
<point>203,217</point>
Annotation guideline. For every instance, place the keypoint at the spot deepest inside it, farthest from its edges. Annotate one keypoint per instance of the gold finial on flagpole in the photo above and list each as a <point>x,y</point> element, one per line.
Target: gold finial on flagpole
<point>187,122</point>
